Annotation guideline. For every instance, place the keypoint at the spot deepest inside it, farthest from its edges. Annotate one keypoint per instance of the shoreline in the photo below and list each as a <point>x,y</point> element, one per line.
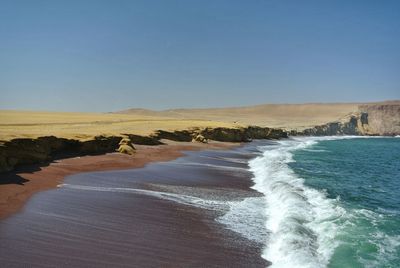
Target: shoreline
<point>147,216</point>
<point>20,185</point>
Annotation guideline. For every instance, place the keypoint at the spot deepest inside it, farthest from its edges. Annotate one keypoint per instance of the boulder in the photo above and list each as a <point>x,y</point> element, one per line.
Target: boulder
<point>125,141</point>
<point>126,149</point>
<point>199,138</point>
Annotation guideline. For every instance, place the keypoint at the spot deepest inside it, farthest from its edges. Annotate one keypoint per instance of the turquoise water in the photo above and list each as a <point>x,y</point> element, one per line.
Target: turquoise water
<point>362,177</point>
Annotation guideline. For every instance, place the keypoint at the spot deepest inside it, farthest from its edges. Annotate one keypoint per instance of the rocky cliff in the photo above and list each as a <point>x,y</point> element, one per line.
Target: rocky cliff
<point>242,134</point>
<point>43,149</point>
<point>351,125</point>
<point>382,119</point>
<point>26,151</point>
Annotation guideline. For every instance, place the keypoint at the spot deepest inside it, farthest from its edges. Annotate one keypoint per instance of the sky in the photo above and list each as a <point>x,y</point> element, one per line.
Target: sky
<point>110,55</point>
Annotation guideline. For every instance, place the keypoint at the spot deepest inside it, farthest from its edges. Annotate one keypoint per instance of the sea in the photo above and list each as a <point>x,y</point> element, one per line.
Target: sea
<point>327,202</point>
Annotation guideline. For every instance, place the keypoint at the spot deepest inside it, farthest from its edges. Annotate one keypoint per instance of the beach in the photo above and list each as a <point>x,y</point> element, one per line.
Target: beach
<point>131,217</point>
<point>18,186</point>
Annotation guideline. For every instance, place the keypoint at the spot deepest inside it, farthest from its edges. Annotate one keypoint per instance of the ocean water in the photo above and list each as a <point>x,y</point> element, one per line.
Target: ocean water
<point>328,202</point>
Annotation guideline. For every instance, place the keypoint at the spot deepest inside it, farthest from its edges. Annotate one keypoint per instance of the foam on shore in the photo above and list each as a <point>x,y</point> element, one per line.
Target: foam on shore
<point>300,220</point>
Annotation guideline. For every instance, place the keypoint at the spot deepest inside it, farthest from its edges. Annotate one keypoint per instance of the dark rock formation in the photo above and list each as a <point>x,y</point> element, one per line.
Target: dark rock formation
<point>143,140</point>
<point>355,124</point>
<point>25,151</point>
<point>225,134</point>
<point>242,134</point>
<point>178,135</point>
<point>254,132</point>
<point>99,145</point>
<point>30,151</point>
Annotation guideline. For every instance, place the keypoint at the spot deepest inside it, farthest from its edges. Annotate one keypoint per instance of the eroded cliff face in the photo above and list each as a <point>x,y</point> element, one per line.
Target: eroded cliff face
<point>383,119</point>
<point>369,120</point>
<point>242,134</point>
<point>25,151</point>
<point>351,125</point>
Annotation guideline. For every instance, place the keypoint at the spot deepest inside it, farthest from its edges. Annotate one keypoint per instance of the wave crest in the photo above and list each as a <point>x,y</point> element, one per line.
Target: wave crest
<point>300,220</point>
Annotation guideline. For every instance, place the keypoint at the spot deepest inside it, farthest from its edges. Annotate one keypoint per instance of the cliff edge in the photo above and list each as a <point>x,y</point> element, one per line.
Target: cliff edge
<point>383,118</point>
<point>374,119</point>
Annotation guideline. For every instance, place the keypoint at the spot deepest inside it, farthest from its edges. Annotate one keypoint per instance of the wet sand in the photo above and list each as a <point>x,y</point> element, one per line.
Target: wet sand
<point>18,186</point>
<point>141,217</point>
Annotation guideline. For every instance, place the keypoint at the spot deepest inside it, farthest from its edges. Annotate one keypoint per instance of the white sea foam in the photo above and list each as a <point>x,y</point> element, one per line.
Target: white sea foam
<point>247,218</point>
<point>213,166</point>
<point>300,220</point>
<point>179,198</point>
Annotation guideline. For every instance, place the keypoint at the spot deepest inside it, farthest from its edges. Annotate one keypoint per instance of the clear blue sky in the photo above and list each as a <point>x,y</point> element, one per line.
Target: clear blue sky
<point>110,55</point>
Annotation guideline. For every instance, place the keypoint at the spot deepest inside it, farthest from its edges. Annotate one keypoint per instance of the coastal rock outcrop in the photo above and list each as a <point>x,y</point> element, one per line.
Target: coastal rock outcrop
<point>242,134</point>
<point>143,140</point>
<point>178,135</point>
<point>255,132</point>
<point>354,124</point>
<point>347,126</point>
<point>382,118</point>
<point>25,151</point>
<point>126,147</point>
<point>225,134</point>
<point>369,120</point>
<point>99,145</point>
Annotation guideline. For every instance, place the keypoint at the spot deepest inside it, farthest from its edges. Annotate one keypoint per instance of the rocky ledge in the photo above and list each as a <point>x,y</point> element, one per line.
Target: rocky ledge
<point>369,120</point>
<point>355,124</point>
<point>24,151</point>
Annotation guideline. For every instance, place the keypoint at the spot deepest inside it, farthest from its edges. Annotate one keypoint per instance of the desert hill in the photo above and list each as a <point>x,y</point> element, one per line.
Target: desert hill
<point>273,115</point>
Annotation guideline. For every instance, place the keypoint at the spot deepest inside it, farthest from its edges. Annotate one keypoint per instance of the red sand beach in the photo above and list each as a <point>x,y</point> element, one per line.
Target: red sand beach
<point>90,222</point>
<point>17,187</point>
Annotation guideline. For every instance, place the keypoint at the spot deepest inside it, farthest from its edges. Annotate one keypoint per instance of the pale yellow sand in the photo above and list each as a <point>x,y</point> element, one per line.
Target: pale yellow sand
<point>29,124</point>
<point>270,115</point>
<point>16,124</point>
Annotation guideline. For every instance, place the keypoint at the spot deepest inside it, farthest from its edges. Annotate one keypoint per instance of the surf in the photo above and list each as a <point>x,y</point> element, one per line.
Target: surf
<point>300,221</point>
